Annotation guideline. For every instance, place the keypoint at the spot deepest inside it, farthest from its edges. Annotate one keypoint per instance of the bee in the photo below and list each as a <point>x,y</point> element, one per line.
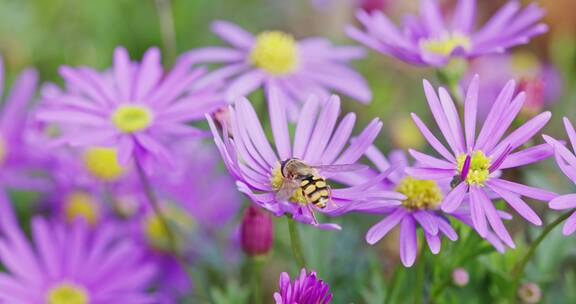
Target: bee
<point>298,175</point>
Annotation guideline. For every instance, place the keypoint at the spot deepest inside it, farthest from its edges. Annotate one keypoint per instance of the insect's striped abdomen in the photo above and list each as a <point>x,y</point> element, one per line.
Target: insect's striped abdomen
<point>316,191</point>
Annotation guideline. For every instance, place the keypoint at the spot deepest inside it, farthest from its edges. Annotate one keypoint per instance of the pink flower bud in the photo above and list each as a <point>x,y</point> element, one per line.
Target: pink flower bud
<point>460,277</point>
<point>256,231</point>
<point>530,293</point>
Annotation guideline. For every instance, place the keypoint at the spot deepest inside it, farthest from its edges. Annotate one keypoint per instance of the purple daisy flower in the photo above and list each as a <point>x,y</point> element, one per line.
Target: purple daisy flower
<point>420,208</point>
<point>275,59</point>
<point>432,39</point>
<point>71,264</point>
<point>475,162</point>
<point>566,161</point>
<point>306,289</point>
<point>136,107</point>
<point>17,153</point>
<point>258,168</point>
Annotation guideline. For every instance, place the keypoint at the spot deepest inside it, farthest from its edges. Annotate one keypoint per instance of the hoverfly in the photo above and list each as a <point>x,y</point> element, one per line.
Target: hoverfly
<point>298,175</point>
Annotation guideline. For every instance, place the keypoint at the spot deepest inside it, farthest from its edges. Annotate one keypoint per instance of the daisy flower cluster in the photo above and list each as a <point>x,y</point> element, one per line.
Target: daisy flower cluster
<point>145,171</point>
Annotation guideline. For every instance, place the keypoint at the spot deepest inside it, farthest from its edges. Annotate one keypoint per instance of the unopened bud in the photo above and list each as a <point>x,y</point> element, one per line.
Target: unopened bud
<point>460,277</point>
<point>530,293</point>
<point>372,5</point>
<point>256,231</point>
<point>534,89</point>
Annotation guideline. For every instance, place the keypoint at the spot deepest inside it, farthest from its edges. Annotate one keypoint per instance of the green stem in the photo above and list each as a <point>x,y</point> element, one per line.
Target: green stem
<point>420,275</point>
<point>257,263</point>
<point>295,243</point>
<point>172,244</point>
<point>153,200</point>
<point>518,271</point>
<point>164,8</point>
<point>392,287</point>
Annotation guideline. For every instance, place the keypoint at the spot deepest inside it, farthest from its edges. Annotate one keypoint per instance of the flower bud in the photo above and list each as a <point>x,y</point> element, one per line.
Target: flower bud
<point>530,293</point>
<point>256,231</point>
<point>460,277</point>
<point>534,89</point>
<point>372,5</point>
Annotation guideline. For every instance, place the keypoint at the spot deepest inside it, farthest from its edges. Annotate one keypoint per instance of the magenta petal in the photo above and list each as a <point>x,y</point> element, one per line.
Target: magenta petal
<point>570,225</point>
<point>518,204</point>
<point>454,198</point>
<point>434,242</point>
<point>378,231</point>
<point>427,221</point>
<point>470,106</point>
<point>279,122</point>
<point>477,212</point>
<point>567,201</point>
<point>408,241</point>
<point>495,220</point>
<point>524,190</point>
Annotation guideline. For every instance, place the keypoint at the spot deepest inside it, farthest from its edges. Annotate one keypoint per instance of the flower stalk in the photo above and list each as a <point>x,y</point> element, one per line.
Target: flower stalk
<point>295,243</point>
<point>518,271</point>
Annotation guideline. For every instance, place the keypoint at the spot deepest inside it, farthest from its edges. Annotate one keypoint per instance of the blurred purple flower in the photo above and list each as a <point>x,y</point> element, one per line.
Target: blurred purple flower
<point>432,39</point>
<point>475,162</point>
<point>72,264</point>
<point>419,208</point>
<point>253,162</point>
<point>136,107</point>
<point>541,82</point>
<point>197,200</point>
<point>306,289</point>
<point>566,161</point>
<point>18,156</point>
<point>275,59</point>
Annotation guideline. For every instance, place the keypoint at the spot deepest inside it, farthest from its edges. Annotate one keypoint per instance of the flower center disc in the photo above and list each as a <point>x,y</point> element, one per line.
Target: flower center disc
<point>103,163</point>
<point>420,194</point>
<point>446,43</point>
<point>132,118</point>
<point>67,293</point>
<point>275,52</point>
<point>80,204</point>
<point>478,171</point>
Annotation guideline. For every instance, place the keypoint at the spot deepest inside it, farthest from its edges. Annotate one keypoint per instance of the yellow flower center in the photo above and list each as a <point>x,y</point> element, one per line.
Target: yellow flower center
<point>275,52</point>
<point>276,181</point>
<point>3,151</point>
<point>80,204</point>
<point>67,293</point>
<point>420,194</point>
<point>132,118</point>
<point>446,43</point>
<point>157,234</point>
<point>103,163</point>
<point>478,171</point>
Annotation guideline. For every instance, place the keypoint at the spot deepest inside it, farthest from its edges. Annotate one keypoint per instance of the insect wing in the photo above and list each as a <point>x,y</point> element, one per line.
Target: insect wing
<point>286,190</point>
<point>340,168</point>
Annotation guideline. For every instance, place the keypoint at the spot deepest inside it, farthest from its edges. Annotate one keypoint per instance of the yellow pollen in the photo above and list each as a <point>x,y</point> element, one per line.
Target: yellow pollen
<point>80,204</point>
<point>130,118</point>
<point>276,181</point>
<point>67,293</point>
<point>446,43</point>
<point>420,194</point>
<point>275,52</point>
<point>479,165</point>
<point>103,163</point>
<point>156,233</point>
<point>3,151</point>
